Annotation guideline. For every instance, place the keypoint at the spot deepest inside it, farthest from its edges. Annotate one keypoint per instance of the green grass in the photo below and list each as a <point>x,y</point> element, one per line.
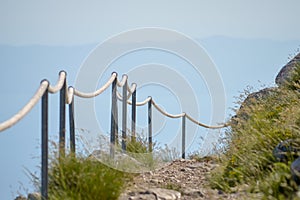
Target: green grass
<point>248,157</point>
<point>294,82</point>
<point>85,178</point>
<point>90,178</point>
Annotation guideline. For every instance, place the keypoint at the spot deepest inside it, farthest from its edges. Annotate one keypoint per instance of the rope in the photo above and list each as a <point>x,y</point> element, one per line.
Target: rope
<point>53,89</point>
<point>177,115</point>
<point>25,110</point>
<point>123,81</point>
<point>59,83</point>
<point>72,91</point>
<point>130,91</point>
<point>69,95</point>
<point>144,102</point>
<point>165,113</point>
<point>140,103</point>
<point>97,92</point>
<point>204,125</point>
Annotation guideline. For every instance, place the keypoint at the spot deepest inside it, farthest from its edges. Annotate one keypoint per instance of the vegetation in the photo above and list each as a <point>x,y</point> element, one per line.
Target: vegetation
<point>259,127</point>
<point>85,178</point>
<point>246,160</point>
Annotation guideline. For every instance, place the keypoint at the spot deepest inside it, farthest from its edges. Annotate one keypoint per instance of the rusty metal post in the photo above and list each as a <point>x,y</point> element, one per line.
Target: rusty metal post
<point>44,138</point>
<point>183,136</point>
<point>72,127</point>
<point>150,125</point>
<point>133,116</point>
<point>114,118</point>
<point>62,120</point>
<point>124,116</point>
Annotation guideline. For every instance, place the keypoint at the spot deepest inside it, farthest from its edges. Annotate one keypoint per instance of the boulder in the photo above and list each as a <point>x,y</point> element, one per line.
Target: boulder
<point>286,73</point>
<point>255,97</point>
<point>34,196</point>
<point>295,170</point>
<point>283,78</point>
<point>20,197</point>
<point>287,150</point>
<point>259,96</point>
<point>152,194</point>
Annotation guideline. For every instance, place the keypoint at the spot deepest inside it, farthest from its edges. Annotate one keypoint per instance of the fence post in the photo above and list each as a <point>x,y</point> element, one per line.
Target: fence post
<point>150,125</point>
<point>133,116</point>
<point>62,119</point>
<point>114,118</point>
<point>124,116</point>
<point>72,127</point>
<point>183,136</point>
<point>44,136</point>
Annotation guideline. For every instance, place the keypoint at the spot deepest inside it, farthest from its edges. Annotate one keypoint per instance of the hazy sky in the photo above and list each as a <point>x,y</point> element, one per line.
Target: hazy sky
<point>80,22</point>
<point>247,40</point>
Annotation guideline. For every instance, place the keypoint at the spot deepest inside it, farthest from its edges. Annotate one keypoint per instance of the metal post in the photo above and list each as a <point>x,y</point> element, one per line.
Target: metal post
<point>124,116</point>
<point>114,118</point>
<point>72,127</point>
<point>44,174</point>
<point>62,120</point>
<point>133,116</point>
<point>183,137</point>
<point>150,125</point>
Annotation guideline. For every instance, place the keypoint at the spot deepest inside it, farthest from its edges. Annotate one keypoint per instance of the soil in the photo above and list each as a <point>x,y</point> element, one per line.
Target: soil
<point>189,178</point>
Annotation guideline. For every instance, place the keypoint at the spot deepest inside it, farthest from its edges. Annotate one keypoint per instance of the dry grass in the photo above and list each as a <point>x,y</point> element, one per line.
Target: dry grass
<point>248,158</point>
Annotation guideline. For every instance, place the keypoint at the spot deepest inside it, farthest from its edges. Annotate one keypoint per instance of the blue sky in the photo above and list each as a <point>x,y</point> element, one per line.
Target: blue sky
<point>249,41</point>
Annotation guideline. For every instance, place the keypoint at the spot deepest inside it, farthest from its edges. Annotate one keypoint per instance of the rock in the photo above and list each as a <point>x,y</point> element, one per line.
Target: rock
<point>20,198</point>
<point>260,95</point>
<point>255,97</point>
<point>193,183</point>
<point>295,170</point>
<point>287,150</point>
<point>143,196</point>
<point>153,193</point>
<point>283,78</point>
<point>193,194</point>
<point>34,196</point>
<point>285,74</point>
<point>165,194</point>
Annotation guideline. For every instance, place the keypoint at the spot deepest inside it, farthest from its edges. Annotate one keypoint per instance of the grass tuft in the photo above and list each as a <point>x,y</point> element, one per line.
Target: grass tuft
<point>84,178</point>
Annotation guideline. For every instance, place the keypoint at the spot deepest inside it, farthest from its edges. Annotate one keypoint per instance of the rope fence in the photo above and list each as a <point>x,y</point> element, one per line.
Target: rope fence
<point>67,95</point>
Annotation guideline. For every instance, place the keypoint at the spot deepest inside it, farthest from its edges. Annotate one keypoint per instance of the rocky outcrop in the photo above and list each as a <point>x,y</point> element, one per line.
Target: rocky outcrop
<point>283,78</point>
<point>286,73</point>
<point>259,96</point>
<point>287,150</point>
<point>295,170</point>
<point>31,196</point>
<point>20,198</point>
<point>253,98</point>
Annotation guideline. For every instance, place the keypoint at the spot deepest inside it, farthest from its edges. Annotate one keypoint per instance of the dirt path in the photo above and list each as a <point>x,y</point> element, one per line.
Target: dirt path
<point>187,179</point>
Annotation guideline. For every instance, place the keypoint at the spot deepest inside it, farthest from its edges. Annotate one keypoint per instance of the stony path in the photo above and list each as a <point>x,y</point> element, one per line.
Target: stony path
<point>181,179</point>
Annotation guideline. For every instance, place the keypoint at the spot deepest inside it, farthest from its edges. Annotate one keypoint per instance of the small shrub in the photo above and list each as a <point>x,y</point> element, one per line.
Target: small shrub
<point>278,184</point>
<point>137,145</point>
<point>168,154</point>
<point>84,178</point>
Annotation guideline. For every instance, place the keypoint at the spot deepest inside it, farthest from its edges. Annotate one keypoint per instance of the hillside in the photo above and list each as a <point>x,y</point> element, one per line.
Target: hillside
<point>260,159</point>
<point>262,147</point>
